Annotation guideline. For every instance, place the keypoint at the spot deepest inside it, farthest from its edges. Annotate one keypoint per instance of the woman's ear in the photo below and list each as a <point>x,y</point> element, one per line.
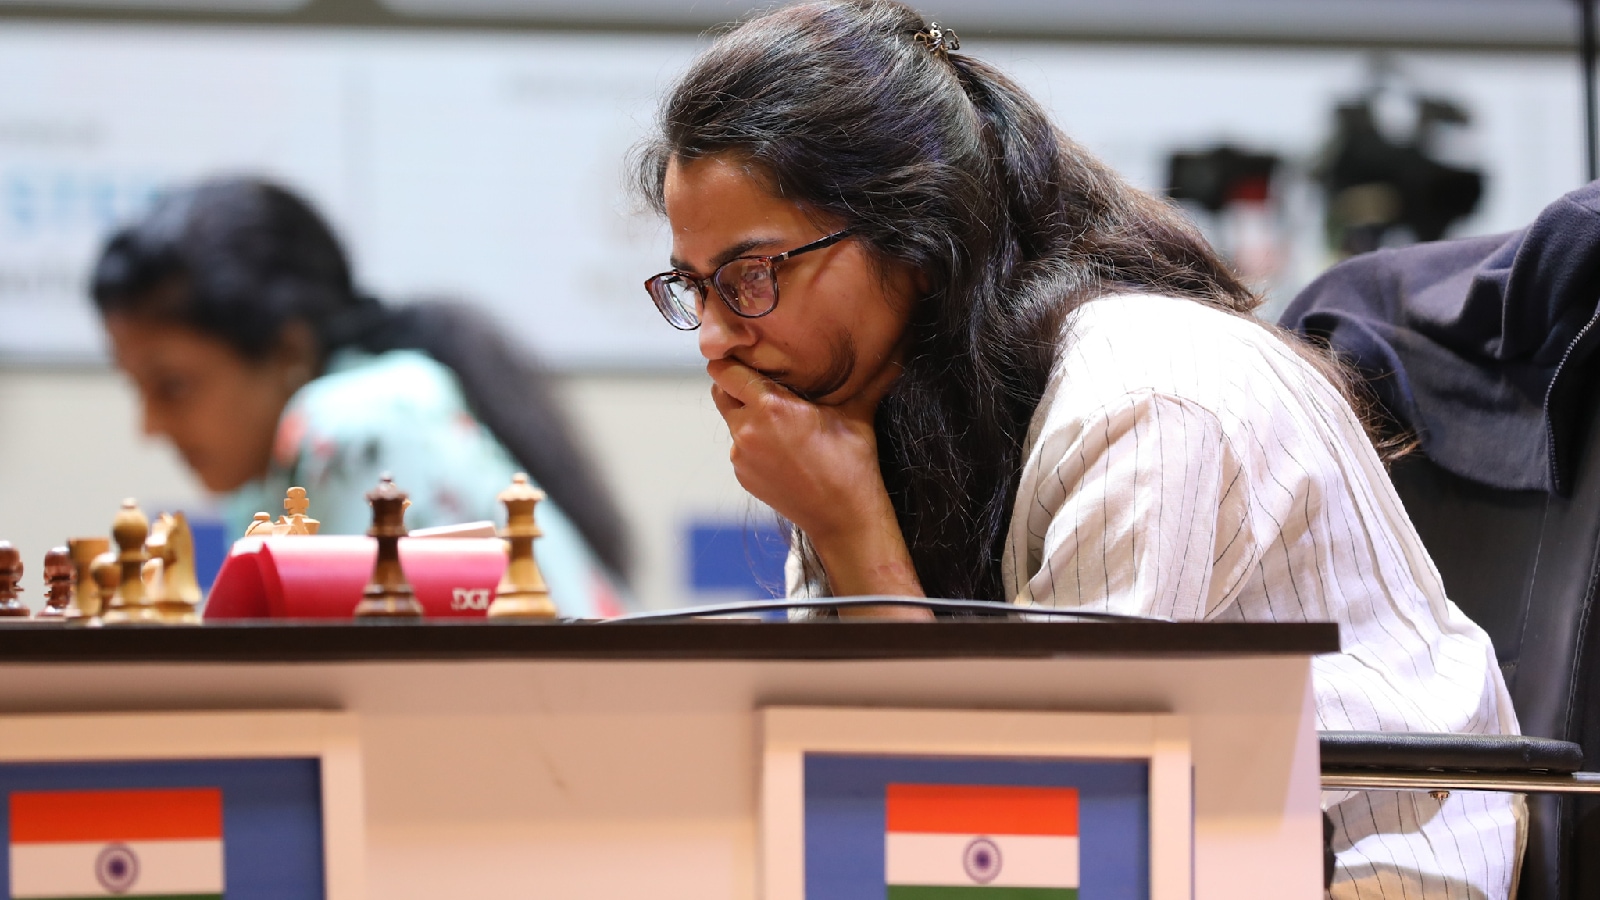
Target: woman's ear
<point>297,356</point>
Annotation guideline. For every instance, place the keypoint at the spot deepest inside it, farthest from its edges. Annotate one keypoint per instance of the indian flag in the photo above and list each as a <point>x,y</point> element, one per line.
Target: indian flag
<point>71,845</point>
<point>960,842</point>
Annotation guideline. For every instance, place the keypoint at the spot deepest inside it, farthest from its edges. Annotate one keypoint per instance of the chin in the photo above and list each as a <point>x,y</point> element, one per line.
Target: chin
<point>215,482</point>
<point>833,398</point>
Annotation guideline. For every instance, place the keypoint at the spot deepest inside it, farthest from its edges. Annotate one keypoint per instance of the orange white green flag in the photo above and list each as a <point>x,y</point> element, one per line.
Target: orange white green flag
<point>961,842</point>
<point>163,844</point>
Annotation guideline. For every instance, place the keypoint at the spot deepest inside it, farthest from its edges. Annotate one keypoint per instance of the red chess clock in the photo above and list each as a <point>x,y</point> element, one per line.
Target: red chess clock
<point>322,577</point>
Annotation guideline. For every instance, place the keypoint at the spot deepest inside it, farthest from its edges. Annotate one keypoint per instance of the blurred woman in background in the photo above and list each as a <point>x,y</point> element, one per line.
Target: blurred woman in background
<point>232,308</point>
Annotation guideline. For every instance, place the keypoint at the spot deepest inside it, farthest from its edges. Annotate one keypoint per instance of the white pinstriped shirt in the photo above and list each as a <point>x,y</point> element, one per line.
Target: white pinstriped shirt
<point>1184,462</point>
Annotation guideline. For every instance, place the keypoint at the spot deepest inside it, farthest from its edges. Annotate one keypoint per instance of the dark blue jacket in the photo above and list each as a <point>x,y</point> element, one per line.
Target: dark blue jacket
<point>1485,347</point>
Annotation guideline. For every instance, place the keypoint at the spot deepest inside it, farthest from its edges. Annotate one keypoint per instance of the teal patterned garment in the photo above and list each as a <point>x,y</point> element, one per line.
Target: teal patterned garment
<point>402,413</point>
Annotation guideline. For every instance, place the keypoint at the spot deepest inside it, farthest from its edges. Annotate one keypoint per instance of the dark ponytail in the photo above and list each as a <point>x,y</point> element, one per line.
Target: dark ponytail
<point>240,259</point>
<point>940,162</point>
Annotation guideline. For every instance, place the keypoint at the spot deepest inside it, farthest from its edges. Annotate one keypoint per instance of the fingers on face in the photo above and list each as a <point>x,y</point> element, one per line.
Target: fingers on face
<point>755,428</point>
<point>723,400</point>
<point>744,383</point>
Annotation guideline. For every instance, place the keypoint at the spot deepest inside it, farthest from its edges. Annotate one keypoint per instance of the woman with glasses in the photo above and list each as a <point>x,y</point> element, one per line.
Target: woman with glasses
<point>232,309</point>
<point>965,359</point>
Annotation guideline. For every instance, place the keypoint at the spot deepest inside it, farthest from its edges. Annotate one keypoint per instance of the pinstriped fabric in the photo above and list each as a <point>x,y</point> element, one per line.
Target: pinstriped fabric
<point>1185,463</point>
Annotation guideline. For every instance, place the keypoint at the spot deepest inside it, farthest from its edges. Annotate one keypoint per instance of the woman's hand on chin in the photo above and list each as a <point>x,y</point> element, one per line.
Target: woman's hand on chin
<point>817,466</point>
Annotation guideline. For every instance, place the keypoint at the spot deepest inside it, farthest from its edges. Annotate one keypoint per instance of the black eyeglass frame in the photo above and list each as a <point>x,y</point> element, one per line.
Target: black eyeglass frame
<point>657,285</point>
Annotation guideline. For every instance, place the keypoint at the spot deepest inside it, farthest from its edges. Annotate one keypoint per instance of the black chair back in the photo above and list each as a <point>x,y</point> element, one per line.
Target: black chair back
<point>1524,565</point>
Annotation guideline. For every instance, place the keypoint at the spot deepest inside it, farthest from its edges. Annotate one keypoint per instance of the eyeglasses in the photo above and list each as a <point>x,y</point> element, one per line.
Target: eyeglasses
<point>747,284</point>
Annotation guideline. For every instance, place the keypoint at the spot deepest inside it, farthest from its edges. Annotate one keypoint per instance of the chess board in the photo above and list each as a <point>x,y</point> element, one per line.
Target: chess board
<point>143,570</point>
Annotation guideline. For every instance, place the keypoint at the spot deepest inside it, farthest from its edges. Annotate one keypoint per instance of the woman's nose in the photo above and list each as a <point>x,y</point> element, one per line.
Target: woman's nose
<point>721,331</point>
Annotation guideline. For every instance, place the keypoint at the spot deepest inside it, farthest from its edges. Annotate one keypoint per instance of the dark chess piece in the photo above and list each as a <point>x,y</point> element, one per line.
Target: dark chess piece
<point>522,593</point>
<point>388,594</point>
<point>10,577</point>
<point>58,583</point>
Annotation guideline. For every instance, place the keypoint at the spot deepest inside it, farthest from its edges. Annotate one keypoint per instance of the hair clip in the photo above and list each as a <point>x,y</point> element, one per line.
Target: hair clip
<point>939,41</point>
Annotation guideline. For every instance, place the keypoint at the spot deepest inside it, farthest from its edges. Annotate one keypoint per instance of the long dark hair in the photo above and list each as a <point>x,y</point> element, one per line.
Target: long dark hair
<point>939,161</point>
<point>248,257</point>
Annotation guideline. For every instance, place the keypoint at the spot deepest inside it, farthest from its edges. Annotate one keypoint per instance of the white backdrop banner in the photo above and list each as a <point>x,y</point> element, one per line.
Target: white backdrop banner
<point>492,166</point>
